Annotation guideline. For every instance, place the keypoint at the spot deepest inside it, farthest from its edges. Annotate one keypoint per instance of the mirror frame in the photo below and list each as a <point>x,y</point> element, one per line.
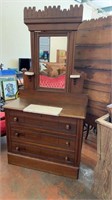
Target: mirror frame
<point>37,61</point>
<point>53,21</point>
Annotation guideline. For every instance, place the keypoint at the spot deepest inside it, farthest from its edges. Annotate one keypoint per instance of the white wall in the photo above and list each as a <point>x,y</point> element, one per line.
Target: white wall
<point>55,44</point>
<point>87,13</point>
<point>14,34</point>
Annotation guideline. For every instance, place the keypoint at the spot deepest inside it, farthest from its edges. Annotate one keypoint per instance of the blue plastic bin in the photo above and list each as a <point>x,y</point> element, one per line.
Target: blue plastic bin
<point>8,72</point>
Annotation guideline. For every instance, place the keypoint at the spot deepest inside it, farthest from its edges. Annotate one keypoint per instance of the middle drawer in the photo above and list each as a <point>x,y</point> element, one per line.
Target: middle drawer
<point>38,136</point>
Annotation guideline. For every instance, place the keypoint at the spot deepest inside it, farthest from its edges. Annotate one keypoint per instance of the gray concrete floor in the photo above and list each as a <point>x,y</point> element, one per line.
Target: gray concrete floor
<point>18,183</point>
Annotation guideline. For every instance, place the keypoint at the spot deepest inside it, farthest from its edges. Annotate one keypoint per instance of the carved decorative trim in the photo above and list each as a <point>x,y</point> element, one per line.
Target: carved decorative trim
<point>53,13</point>
<point>96,23</point>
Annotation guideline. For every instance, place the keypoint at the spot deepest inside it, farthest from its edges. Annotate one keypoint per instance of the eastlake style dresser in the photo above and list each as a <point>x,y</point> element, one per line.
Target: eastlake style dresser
<point>45,141</point>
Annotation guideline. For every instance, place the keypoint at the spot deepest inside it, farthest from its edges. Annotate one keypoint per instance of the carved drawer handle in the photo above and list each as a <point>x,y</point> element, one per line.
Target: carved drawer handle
<point>67,126</point>
<point>17,134</point>
<point>67,158</point>
<point>17,148</point>
<point>67,143</point>
<point>15,119</point>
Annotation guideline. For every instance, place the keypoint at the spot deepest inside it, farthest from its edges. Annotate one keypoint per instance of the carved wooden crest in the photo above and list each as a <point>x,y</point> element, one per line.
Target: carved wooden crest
<point>53,15</point>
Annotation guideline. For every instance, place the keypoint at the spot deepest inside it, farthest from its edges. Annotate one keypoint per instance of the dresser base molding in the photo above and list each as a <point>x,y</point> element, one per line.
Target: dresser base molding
<point>42,165</point>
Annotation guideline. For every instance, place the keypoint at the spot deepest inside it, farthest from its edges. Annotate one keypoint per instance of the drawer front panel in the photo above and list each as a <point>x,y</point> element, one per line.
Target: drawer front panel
<point>42,137</point>
<point>43,153</point>
<point>59,124</point>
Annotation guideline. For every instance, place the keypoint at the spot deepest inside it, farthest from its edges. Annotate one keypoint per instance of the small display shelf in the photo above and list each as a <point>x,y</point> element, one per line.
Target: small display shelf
<point>29,73</point>
<point>75,76</point>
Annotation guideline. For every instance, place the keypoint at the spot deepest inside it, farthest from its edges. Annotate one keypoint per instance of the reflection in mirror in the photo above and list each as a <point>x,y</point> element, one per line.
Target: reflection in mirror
<point>52,61</point>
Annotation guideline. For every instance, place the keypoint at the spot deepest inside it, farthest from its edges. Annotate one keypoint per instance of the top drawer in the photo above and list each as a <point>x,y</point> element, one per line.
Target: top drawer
<point>55,123</point>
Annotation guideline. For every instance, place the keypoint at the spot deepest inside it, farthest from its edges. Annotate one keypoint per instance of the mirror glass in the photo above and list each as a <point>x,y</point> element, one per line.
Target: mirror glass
<point>52,61</point>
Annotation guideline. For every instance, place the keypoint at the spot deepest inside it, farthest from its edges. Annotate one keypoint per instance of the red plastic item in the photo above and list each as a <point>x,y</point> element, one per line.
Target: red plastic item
<point>2,124</point>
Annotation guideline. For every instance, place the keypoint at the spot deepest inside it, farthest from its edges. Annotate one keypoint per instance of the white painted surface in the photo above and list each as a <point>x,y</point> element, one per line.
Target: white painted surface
<point>48,110</point>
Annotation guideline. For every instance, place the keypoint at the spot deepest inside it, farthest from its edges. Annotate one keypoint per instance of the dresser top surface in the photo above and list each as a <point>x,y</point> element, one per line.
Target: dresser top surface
<point>77,110</point>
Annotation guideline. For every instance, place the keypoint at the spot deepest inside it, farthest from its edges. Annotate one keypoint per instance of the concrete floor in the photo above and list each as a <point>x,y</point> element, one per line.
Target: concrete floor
<point>18,183</point>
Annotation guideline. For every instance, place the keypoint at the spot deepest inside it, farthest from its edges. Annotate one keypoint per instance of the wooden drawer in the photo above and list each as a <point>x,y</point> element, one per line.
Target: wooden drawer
<point>38,136</point>
<point>43,153</point>
<point>60,124</point>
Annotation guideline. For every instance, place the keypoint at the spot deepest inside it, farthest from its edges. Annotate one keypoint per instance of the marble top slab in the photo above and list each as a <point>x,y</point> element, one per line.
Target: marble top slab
<point>42,109</point>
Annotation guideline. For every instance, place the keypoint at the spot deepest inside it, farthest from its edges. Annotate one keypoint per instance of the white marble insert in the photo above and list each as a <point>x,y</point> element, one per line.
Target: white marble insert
<point>41,109</point>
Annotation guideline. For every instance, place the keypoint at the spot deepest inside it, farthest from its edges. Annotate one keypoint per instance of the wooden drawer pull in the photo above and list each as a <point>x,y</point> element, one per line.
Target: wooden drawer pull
<point>17,148</point>
<point>67,158</point>
<point>67,126</point>
<point>17,134</point>
<point>15,119</point>
<point>67,143</point>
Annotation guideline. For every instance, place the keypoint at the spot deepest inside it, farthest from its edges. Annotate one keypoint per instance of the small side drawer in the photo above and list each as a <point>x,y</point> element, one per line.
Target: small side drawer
<point>43,153</point>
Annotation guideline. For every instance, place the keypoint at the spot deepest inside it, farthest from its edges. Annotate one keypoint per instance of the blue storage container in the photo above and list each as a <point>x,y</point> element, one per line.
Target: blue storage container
<point>8,72</point>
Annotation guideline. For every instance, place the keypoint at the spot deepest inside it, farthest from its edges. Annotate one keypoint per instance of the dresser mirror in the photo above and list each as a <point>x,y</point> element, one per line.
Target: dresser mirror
<point>52,62</point>
<point>53,36</point>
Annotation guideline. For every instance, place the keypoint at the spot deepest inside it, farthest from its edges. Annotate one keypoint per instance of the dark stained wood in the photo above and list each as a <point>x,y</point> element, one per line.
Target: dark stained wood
<point>93,52</point>
<point>76,109</point>
<point>97,76</point>
<point>56,139</point>
<point>96,37</point>
<point>96,24</point>
<point>46,142</point>
<point>55,27</point>
<point>70,58</point>
<point>28,82</point>
<point>52,21</point>
<point>53,18</point>
<point>97,86</point>
<point>98,96</point>
<point>93,57</point>
<point>93,64</point>
<point>43,165</point>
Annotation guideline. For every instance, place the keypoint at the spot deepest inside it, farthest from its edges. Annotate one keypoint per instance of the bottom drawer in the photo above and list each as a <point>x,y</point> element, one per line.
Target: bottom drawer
<point>43,153</point>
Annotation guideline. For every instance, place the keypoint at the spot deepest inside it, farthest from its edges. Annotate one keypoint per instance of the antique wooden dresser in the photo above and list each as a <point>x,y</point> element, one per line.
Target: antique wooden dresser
<point>46,141</point>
